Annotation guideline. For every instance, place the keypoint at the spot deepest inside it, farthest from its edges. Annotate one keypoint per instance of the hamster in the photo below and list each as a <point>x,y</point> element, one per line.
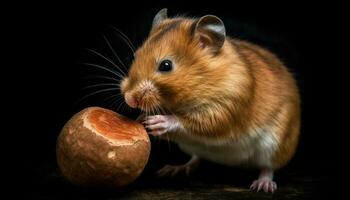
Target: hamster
<point>222,99</point>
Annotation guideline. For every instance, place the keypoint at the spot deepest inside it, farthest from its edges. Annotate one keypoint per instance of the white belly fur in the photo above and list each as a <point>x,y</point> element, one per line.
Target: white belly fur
<point>254,149</point>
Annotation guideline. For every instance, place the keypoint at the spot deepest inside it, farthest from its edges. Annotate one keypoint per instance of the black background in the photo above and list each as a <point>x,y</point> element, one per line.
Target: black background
<point>49,41</point>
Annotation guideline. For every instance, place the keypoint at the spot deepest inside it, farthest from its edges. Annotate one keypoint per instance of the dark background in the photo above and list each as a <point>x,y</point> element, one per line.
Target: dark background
<point>50,40</point>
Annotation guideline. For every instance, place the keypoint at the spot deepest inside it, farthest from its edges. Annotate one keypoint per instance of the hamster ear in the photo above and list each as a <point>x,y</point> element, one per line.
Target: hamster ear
<point>211,32</point>
<point>160,16</point>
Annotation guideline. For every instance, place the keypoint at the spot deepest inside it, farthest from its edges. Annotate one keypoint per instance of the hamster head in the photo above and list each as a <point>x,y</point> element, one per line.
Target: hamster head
<point>172,66</point>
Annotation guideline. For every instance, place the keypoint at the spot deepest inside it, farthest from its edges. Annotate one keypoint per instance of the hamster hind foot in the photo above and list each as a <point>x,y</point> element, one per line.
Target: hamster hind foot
<point>264,182</point>
<point>173,170</point>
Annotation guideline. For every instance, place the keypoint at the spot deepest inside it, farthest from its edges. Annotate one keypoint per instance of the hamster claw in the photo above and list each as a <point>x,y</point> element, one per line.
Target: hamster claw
<point>173,170</point>
<point>265,184</point>
<point>170,170</point>
<point>159,124</point>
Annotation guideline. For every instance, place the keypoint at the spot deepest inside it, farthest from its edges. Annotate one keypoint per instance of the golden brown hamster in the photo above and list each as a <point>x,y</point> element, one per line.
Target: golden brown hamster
<point>224,100</point>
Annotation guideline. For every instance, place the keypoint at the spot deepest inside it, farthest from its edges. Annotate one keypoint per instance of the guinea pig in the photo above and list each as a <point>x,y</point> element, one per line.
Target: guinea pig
<point>220,99</point>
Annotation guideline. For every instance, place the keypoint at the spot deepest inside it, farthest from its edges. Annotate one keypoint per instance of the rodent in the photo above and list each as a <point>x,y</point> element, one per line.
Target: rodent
<point>226,100</point>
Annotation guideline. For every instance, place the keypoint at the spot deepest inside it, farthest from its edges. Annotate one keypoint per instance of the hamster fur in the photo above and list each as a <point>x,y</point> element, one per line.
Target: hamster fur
<point>227,100</point>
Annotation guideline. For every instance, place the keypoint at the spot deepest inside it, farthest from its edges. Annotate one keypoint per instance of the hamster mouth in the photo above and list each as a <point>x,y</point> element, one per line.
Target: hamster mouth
<point>138,101</point>
<point>147,101</point>
<point>148,98</point>
<point>145,97</point>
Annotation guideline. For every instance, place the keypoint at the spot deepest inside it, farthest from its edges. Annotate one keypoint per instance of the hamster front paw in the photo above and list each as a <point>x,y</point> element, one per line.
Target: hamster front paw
<point>160,124</point>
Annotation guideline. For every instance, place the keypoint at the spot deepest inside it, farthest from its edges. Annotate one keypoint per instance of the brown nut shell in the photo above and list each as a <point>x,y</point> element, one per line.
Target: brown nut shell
<point>98,147</point>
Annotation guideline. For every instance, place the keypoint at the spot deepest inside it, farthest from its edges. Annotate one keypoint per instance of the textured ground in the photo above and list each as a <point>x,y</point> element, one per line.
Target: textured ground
<point>209,182</point>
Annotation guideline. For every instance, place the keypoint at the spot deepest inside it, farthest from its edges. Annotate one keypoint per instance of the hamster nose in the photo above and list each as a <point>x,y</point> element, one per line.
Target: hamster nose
<point>131,100</point>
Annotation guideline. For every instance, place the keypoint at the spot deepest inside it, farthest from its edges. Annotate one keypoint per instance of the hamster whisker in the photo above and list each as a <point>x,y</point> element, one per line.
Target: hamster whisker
<point>104,68</point>
<point>97,92</point>
<point>112,97</point>
<point>125,39</point>
<point>120,106</point>
<point>113,101</point>
<point>107,59</point>
<point>157,110</point>
<point>101,77</point>
<point>118,101</point>
<point>162,110</point>
<point>152,110</point>
<point>125,107</point>
<point>147,112</point>
<point>101,84</point>
<point>115,54</point>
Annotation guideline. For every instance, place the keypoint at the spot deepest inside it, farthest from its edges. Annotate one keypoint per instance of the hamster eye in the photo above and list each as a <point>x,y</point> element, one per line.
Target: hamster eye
<point>165,66</point>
